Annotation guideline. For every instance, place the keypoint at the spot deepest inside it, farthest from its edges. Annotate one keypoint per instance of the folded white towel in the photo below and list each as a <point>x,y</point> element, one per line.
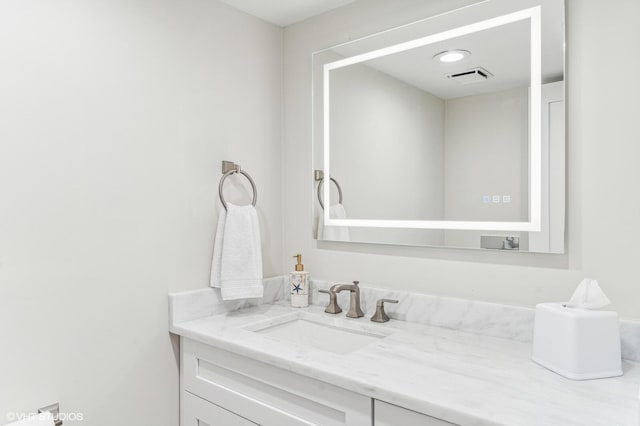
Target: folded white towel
<point>237,255</point>
<point>334,233</point>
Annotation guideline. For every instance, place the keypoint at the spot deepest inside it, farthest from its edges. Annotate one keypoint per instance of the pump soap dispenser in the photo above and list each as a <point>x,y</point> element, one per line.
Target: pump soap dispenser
<point>299,285</point>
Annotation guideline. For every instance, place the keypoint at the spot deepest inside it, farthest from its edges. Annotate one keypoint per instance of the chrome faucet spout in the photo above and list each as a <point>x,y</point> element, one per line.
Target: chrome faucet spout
<point>354,302</point>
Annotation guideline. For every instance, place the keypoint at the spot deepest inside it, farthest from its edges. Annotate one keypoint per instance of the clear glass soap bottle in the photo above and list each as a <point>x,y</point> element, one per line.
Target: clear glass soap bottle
<point>299,285</point>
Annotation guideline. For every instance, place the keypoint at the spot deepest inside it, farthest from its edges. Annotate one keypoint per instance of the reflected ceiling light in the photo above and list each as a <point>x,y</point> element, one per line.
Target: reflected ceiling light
<point>452,55</point>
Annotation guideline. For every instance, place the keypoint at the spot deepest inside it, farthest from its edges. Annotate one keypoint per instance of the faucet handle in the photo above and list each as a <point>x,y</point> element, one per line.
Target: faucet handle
<point>332,307</point>
<point>381,315</point>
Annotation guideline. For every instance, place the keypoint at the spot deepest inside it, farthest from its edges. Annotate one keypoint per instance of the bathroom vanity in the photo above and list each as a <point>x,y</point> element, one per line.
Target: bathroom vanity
<point>246,391</point>
<point>271,364</point>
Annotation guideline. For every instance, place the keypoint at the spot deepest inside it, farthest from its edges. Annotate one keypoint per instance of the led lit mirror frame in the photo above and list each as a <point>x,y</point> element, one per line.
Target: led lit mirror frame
<point>535,152</point>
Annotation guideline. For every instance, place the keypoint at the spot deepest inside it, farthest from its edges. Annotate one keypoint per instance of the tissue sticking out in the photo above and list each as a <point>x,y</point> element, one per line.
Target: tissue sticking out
<point>588,295</point>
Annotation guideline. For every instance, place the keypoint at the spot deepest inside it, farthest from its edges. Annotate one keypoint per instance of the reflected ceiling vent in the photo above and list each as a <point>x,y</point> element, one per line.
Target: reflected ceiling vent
<point>474,75</point>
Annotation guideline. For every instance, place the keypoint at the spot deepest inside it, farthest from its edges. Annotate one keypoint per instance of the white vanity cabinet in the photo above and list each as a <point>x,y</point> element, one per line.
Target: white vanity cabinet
<point>392,415</point>
<point>221,388</point>
<point>195,411</point>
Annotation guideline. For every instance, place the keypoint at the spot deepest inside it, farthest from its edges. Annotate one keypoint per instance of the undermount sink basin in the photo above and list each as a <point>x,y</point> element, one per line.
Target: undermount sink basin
<point>315,334</point>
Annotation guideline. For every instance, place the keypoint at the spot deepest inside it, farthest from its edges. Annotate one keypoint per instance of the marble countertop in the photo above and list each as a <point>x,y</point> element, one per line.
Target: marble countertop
<point>460,377</point>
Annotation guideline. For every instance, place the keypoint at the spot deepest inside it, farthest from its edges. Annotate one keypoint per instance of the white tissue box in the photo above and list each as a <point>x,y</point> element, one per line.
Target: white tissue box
<point>577,343</point>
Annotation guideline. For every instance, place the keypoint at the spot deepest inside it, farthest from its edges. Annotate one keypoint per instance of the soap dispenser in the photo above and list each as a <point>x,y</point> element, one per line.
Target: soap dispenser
<point>299,285</point>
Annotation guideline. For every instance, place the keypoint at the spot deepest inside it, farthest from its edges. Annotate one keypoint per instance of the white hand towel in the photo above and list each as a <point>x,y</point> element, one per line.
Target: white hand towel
<point>334,233</point>
<point>237,255</point>
<point>44,419</point>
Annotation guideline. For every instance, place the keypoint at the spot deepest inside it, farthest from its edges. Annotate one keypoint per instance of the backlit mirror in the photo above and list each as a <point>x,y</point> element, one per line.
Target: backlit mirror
<point>447,132</point>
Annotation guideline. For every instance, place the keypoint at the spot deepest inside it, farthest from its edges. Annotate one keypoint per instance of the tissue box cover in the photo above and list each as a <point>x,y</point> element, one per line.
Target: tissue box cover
<point>577,343</point>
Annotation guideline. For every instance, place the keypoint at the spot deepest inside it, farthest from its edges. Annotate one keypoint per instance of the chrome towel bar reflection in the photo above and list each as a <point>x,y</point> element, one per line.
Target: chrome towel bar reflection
<point>229,168</point>
<point>318,176</point>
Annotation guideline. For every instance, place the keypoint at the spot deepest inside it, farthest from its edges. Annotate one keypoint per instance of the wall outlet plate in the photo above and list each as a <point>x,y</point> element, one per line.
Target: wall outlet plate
<point>54,410</point>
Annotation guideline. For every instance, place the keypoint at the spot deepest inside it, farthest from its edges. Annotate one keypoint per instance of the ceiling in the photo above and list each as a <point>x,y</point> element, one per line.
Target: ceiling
<point>286,12</point>
<point>503,51</point>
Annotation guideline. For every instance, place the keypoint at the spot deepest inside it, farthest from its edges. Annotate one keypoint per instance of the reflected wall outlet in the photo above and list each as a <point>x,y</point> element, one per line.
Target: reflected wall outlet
<point>496,199</point>
<point>506,199</point>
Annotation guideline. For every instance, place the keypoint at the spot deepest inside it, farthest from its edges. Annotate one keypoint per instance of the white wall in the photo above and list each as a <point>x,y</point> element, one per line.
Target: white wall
<point>603,203</point>
<point>486,154</point>
<point>114,117</point>
<point>387,136</point>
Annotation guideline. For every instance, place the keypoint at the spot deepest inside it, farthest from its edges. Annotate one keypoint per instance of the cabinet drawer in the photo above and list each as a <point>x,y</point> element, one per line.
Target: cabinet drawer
<point>198,412</point>
<point>265,394</point>
<point>391,415</point>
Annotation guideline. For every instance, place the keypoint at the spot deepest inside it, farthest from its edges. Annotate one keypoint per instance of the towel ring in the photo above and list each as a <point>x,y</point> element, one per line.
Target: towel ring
<point>320,191</point>
<point>245,174</point>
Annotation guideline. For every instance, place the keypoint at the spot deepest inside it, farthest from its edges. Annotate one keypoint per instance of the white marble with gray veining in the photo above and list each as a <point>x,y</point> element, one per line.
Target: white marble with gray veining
<point>463,378</point>
<point>630,336</point>
<point>190,305</point>
<point>466,378</point>
<point>490,319</point>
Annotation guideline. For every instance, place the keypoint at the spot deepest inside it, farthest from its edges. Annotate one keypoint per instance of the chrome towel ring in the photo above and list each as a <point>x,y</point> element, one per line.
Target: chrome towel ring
<point>229,168</point>
<point>319,176</point>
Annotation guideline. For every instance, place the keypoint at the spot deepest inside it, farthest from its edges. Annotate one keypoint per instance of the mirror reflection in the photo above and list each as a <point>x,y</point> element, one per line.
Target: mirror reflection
<point>441,132</point>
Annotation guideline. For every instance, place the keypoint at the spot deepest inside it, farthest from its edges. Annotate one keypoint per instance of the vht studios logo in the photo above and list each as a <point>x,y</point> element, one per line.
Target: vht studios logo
<point>65,417</point>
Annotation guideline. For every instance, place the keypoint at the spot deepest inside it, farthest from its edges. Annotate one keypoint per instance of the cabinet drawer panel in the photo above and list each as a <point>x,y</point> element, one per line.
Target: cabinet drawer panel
<point>392,415</point>
<point>198,412</point>
<point>265,394</point>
